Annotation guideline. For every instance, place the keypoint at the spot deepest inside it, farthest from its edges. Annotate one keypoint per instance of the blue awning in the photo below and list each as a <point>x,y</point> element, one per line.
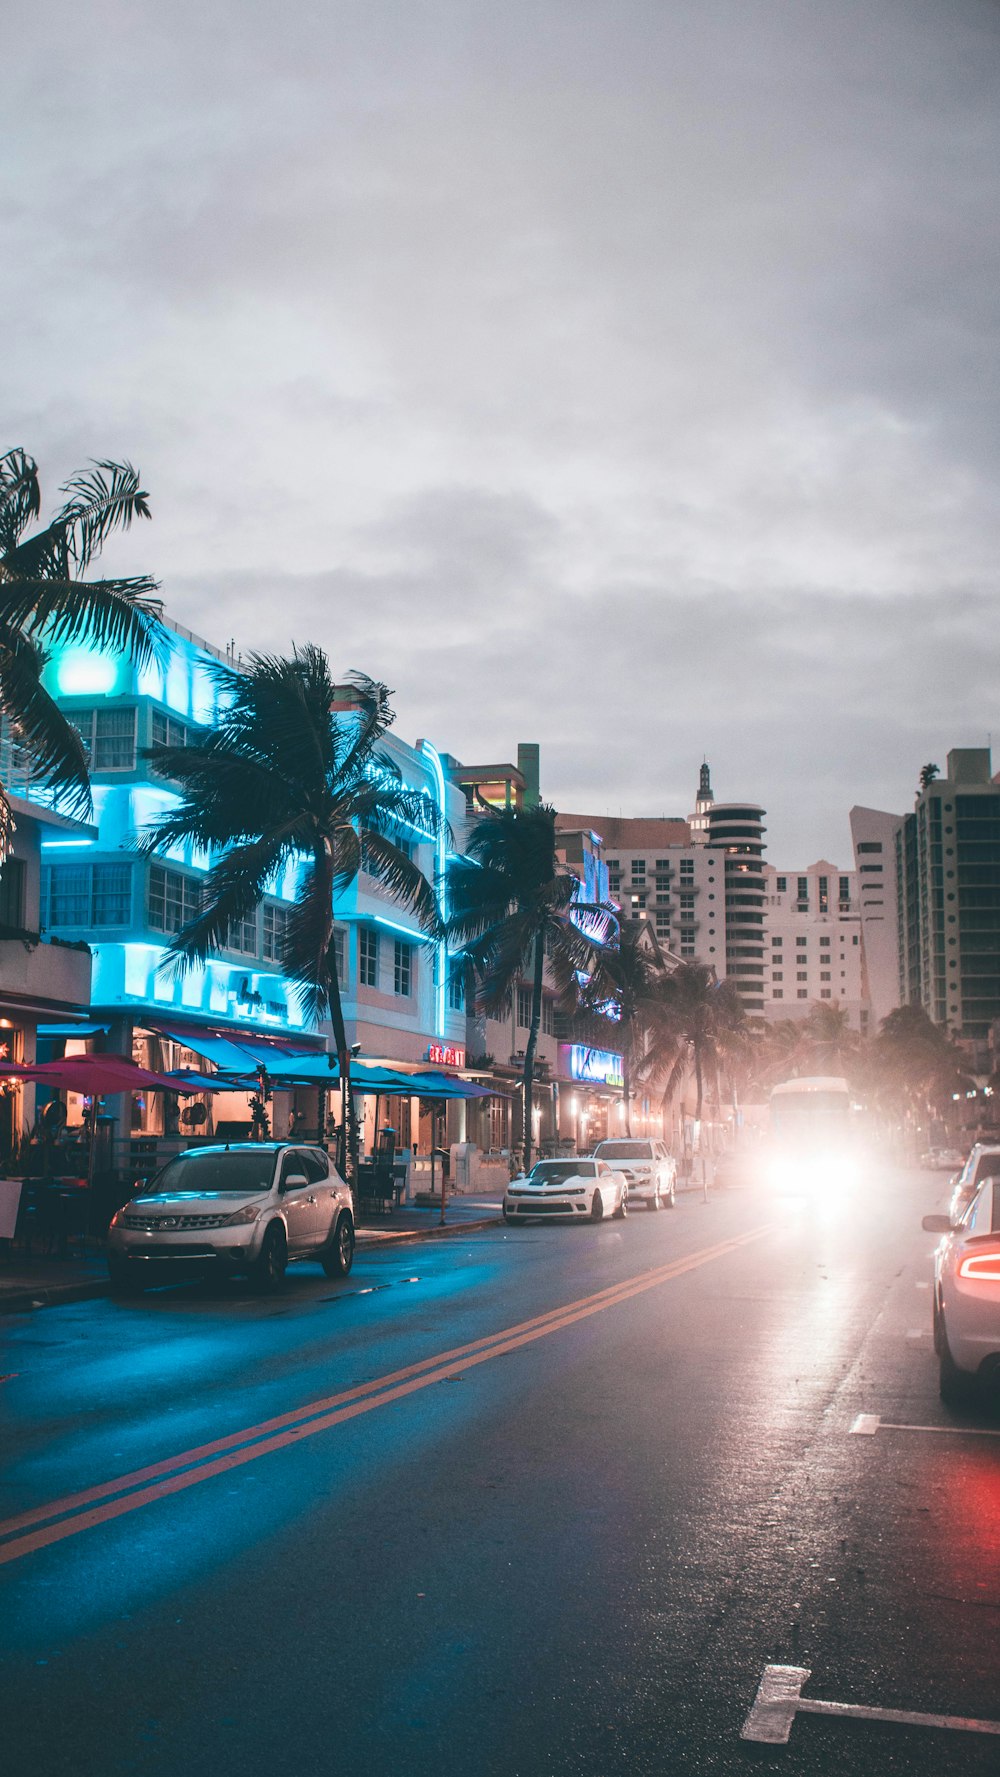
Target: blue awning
<point>72,1030</point>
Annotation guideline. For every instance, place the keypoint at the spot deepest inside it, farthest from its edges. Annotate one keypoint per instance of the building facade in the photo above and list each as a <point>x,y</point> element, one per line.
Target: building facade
<point>948,897</point>
<point>874,834</point>
<point>814,945</point>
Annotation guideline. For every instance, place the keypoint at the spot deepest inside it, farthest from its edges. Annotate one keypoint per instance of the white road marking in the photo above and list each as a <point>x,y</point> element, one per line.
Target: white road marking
<point>865,1425</point>
<point>915,1334</point>
<point>923,1284</point>
<point>779,1700</point>
<point>950,1431</point>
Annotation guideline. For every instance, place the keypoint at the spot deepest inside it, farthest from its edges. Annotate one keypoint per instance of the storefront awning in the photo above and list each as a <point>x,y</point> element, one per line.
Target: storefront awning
<point>235,1055</point>
<point>72,1030</point>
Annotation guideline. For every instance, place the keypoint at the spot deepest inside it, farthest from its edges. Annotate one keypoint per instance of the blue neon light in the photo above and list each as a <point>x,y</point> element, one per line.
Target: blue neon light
<point>433,758</point>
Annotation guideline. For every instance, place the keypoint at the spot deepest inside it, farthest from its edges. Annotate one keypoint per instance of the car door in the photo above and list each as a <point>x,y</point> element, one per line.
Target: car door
<point>305,1209</point>
<point>608,1181</point>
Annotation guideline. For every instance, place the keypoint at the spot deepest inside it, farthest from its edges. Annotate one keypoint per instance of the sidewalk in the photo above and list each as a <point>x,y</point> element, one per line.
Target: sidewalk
<point>40,1282</point>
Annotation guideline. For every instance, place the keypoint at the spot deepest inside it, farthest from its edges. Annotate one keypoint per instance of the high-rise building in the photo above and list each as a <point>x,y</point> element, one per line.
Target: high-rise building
<point>814,950</point>
<point>736,833</point>
<point>948,868</point>
<point>873,834</point>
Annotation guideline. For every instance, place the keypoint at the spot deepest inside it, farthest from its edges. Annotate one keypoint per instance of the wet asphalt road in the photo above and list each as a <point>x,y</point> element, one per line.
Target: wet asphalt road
<point>571,1550</point>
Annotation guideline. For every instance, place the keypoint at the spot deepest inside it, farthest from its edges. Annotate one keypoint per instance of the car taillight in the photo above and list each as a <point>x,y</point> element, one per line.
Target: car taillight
<point>981,1267</point>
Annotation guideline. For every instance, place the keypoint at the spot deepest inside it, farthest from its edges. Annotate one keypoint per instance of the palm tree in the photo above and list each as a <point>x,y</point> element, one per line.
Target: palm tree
<point>627,974</point>
<point>702,1027</point>
<point>44,602</point>
<point>513,907</point>
<point>284,778</point>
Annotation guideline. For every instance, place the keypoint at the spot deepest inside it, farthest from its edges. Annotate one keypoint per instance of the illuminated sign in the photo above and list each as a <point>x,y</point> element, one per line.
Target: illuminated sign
<point>446,1055</point>
<point>598,1066</point>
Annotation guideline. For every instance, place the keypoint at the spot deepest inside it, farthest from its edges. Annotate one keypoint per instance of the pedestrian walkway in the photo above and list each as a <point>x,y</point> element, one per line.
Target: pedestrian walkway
<point>39,1280</point>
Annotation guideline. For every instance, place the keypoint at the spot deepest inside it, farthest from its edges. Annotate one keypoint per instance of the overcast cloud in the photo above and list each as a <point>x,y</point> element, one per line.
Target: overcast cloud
<point>620,375</point>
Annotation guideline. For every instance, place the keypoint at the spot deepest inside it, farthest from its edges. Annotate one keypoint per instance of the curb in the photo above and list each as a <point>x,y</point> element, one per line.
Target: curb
<point>50,1295</point>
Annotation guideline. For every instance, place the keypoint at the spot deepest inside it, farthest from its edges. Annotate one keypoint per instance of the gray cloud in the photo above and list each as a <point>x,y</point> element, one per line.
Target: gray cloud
<point>621,376</point>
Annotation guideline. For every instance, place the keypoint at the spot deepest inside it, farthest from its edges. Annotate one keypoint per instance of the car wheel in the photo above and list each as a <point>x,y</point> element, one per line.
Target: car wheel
<point>656,1201</point>
<point>124,1277</point>
<point>671,1199</point>
<point>597,1208</point>
<point>956,1387</point>
<point>268,1270</point>
<point>338,1256</point>
<point>622,1211</point>
<point>936,1325</point>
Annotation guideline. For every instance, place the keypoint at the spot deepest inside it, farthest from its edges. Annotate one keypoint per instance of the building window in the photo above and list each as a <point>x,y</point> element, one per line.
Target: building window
<point>88,894</point>
<point>825,975</point>
<point>367,957</point>
<point>275,932</point>
<point>800,943</point>
<point>778,975</point>
<point>802,975</point>
<point>340,954</point>
<point>802,896</point>
<point>802,993</point>
<point>524,1007</point>
<point>169,732</point>
<point>782,885</point>
<point>824,894</point>
<point>241,934</point>
<point>777,993</point>
<point>777,943</point>
<point>825,993</point>
<point>638,868</point>
<point>456,988</point>
<point>12,881</point>
<point>174,899</point>
<point>108,737</point>
<point>687,949</point>
<point>402,968</point>
<point>548,1017</point>
<point>869,845</point>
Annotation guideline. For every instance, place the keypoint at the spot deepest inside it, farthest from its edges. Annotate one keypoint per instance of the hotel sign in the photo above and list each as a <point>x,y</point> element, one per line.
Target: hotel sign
<point>597,1067</point>
<point>446,1054</point>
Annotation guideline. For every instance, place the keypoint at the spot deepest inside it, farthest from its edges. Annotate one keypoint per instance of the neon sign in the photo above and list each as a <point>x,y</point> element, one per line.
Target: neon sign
<point>446,1054</point>
<point>598,1066</point>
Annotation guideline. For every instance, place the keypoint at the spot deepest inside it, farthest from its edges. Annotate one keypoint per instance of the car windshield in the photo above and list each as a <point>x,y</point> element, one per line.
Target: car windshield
<point>625,1150</point>
<point>549,1172</point>
<point>236,1169</point>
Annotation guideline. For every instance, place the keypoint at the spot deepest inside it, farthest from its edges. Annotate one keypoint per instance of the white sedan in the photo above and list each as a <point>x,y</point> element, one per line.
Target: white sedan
<point>967,1294</point>
<point>573,1189</point>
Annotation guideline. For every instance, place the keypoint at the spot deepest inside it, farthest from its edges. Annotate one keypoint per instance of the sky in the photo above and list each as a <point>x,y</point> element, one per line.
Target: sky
<point>615,374</point>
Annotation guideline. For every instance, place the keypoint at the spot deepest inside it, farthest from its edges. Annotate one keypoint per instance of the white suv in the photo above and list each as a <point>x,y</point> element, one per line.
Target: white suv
<point>247,1206</point>
<point>650,1169</point>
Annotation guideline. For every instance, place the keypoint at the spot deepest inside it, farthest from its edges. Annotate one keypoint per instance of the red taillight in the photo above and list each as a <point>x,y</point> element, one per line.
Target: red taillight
<point>981,1268</point>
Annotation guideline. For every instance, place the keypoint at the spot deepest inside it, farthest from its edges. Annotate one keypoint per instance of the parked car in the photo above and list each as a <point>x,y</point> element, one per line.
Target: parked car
<point>569,1188</point>
<point>246,1207</point>
<point>967,1294</point>
<point>649,1167</point>
<point>942,1159</point>
<point>983,1161</point>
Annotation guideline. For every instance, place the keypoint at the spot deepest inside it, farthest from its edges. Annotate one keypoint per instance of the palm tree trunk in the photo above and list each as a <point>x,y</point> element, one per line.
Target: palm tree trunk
<point>529,1053</point>
<point>627,1091</point>
<point>343,1062</point>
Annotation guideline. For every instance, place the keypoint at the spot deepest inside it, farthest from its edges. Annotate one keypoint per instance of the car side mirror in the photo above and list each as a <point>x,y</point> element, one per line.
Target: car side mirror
<point>937,1224</point>
<point>293,1181</point>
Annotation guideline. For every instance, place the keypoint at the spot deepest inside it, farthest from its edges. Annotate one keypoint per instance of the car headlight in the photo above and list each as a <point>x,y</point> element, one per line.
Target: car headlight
<point>248,1213</point>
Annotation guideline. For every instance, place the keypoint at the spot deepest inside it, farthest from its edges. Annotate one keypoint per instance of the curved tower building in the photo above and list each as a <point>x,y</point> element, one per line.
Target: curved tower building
<point>736,831</point>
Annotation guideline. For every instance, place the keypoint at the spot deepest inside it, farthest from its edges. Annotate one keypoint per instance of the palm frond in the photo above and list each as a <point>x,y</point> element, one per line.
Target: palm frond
<point>20,496</point>
<point>105,498</point>
<point>406,883</point>
<point>121,616</point>
<point>56,751</point>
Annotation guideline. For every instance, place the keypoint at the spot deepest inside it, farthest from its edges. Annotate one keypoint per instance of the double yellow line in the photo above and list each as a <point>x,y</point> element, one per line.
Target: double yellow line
<point>62,1518</point>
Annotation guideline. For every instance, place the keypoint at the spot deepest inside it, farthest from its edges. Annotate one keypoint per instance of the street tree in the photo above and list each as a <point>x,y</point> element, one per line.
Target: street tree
<point>45,602</point>
<point>626,975</point>
<point>284,778</point>
<point>701,1029</point>
<point>514,909</point>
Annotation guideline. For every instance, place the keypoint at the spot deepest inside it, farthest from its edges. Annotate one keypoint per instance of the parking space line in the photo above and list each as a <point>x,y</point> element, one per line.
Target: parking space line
<point>779,1700</point>
<point>865,1425</point>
